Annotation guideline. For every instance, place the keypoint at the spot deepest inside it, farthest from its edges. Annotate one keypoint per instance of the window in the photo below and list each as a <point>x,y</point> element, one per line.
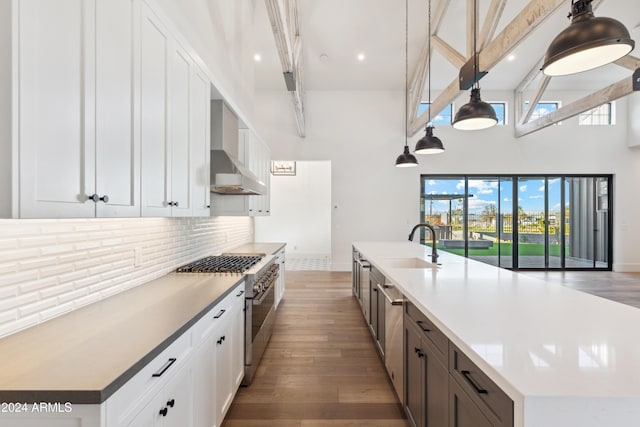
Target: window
<point>501,112</point>
<point>542,109</point>
<point>444,118</point>
<point>548,222</point>
<point>602,115</point>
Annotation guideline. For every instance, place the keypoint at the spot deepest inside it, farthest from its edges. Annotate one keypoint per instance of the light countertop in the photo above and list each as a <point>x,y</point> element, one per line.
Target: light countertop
<point>565,357</point>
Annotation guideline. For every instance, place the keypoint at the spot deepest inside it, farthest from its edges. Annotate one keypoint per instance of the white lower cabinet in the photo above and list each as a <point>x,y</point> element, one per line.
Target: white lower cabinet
<point>200,384</point>
<point>219,359</point>
<point>280,282</point>
<point>238,337</point>
<point>172,406</point>
<point>191,383</point>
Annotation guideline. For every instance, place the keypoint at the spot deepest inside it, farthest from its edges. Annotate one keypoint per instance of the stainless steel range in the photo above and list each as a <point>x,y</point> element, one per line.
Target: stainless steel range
<point>260,272</point>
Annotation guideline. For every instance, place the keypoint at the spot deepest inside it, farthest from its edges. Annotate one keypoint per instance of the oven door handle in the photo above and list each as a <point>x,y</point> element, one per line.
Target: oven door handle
<point>264,295</point>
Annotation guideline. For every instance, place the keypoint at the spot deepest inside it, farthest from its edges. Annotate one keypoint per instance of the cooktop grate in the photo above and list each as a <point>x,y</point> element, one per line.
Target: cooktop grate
<point>221,264</point>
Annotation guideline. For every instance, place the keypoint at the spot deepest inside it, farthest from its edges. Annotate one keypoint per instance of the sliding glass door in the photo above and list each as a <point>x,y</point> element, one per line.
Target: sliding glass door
<point>587,224</point>
<point>522,222</point>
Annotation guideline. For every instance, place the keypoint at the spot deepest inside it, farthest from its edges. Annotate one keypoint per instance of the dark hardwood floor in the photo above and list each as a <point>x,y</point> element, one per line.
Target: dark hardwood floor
<point>321,367</point>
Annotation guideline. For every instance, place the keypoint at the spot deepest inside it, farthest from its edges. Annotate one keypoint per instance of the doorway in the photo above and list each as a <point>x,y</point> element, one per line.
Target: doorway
<point>300,215</point>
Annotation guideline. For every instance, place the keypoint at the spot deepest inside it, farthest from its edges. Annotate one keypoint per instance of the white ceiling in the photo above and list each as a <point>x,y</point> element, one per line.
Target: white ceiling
<point>341,29</point>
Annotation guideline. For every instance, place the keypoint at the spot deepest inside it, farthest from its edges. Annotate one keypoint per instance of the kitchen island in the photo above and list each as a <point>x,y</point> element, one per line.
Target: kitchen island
<point>564,357</point>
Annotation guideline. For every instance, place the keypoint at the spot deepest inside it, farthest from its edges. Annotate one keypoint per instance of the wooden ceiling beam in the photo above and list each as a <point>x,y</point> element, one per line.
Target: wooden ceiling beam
<point>449,53</point>
<point>629,62</point>
<point>418,78</point>
<point>491,22</point>
<point>283,15</point>
<point>534,13</point>
<point>610,93</point>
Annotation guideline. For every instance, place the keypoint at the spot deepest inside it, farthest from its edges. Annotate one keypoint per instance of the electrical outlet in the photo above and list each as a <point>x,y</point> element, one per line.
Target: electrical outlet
<point>137,257</point>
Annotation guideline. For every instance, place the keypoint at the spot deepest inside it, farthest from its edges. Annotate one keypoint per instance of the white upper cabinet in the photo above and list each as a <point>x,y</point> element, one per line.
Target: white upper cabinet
<point>117,108</point>
<point>174,126</point>
<point>78,150</point>
<point>56,97</point>
<point>156,163</point>
<point>109,115</point>
<point>200,143</point>
<point>179,77</point>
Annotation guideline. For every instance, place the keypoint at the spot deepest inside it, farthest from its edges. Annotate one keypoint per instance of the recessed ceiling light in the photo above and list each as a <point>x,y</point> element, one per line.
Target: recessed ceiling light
<point>361,57</point>
<point>257,57</point>
<point>511,57</point>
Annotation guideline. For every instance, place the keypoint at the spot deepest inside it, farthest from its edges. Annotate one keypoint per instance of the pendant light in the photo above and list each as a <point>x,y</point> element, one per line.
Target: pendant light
<point>429,144</point>
<point>587,43</point>
<point>476,114</point>
<point>406,159</point>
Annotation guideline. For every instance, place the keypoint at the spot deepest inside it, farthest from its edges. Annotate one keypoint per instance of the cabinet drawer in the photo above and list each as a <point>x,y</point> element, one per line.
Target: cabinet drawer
<point>491,400</point>
<point>136,392</point>
<point>430,330</point>
<point>217,315</point>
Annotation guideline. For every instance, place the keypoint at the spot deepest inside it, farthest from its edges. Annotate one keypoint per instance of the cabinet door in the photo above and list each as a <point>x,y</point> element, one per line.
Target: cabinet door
<point>156,164</point>
<point>436,386</point>
<point>200,143</point>
<point>205,383</point>
<point>237,337</point>
<point>56,108</point>
<point>224,379</point>
<point>150,415</point>
<point>117,102</point>
<point>414,378</point>
<point>462,411</point>
<point>178,399</point>
<point>373,320</point>
<point>179,76</point>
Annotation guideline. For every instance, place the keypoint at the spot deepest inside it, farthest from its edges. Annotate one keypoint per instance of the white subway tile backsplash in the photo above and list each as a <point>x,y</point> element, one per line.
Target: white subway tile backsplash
<point>37,285</point>
<point>18,277</point>
<point>37,307</point>
<point>7,244</point>
<point>49,267</point>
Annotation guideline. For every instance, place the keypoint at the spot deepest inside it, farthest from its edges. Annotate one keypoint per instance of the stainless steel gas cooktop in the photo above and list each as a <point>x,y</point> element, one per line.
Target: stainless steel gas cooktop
<point>221,264</point>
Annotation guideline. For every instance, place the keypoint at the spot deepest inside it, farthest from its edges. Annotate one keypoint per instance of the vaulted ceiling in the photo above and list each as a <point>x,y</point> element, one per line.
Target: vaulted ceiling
<point>335,32</point>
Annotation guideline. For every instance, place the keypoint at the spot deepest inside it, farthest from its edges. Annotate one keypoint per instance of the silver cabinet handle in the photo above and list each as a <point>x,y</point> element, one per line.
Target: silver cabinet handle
<point>386,295</point>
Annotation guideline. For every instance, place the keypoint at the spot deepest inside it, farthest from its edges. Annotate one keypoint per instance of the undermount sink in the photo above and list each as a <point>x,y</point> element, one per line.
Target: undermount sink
<point>409,263</point>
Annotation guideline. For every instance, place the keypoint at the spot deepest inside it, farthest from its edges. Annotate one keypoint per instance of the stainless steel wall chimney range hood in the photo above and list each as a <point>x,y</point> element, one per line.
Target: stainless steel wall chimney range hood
<point>228,173</point>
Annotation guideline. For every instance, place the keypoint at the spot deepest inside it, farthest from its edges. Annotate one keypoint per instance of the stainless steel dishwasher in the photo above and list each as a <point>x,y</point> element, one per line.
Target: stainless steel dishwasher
<point>393,330</point>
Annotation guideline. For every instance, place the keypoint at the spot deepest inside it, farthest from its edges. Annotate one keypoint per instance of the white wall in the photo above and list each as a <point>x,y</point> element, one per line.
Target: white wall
<point>50,267</point>
<point>300,211</point>
<point>361,132</point>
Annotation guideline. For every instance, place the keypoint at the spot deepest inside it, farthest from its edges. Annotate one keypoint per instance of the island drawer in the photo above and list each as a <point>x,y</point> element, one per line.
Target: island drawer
<point>490,398</point>
<point>429,329</point>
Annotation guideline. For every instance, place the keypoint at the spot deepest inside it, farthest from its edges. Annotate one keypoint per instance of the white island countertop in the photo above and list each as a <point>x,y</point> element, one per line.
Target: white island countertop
<point>565,357</point>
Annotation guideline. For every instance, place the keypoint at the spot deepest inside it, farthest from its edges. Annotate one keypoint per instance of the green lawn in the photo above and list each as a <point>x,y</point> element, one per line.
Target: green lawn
<point>525,249</point>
